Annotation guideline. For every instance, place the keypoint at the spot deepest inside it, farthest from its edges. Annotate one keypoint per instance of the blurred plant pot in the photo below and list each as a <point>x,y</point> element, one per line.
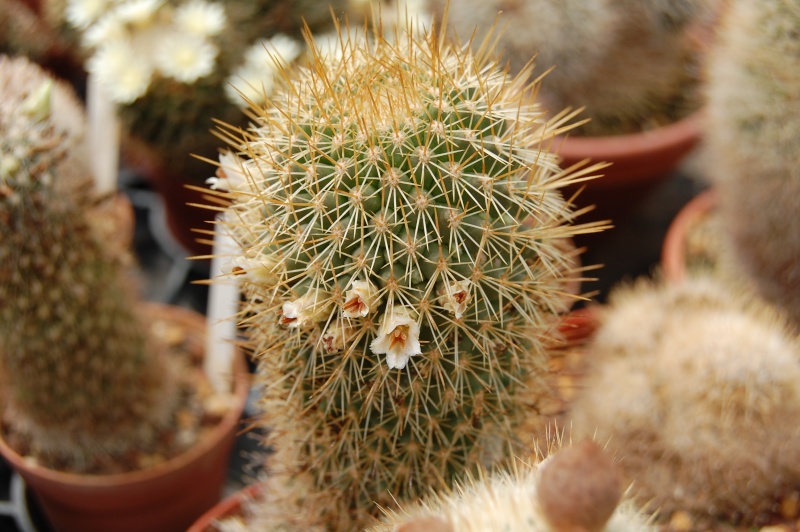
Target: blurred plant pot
<point>640,161</point>
<point>166,497</point>
<point>674,260</point>
<point>231,506</point>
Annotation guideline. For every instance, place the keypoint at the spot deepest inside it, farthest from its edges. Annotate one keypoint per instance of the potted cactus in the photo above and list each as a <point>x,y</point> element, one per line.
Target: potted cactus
<point>405,257</point>
<point>633,65</point>
<point>94,386</point>
<point>170,67</point>
<point>696,387</point>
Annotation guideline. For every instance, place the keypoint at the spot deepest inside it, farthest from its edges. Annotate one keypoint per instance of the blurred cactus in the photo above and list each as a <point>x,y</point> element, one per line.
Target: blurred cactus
<point>579,488</point>
<point>753,133</point>
<point>80,377</point>
<point>406,254</point>
<point>697,390</point>
<point>626,61</point>
<point>170,63</point>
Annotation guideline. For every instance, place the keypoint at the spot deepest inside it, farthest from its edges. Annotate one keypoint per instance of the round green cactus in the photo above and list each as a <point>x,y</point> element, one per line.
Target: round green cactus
<point>405,252</point>
<point>80,377</point>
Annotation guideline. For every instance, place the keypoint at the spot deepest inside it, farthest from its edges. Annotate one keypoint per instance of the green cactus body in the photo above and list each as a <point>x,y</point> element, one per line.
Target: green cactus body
<point>754,146</point>
<point>79,375</point>
<point>405,251</point>
<point>697,388</point>
<point>627,62</point>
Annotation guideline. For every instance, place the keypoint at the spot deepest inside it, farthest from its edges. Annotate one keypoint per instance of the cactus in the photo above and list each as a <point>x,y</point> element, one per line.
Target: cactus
<point>628,62</point>
<point>697,390</point>
<point>405,252</point>
<point>754,146</point>
<point>80,377</point>
<point>579,488</point>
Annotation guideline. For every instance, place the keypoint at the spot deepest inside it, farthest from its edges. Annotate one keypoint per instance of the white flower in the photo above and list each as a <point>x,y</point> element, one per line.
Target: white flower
<point>312,307</point>
<point>456,296</point>
<point>123,72</point>
<point>82,13</point>
<point>335,336</point>
<point>257,267</point>
<point>231,174</point>
<point>254,80</point>
<point>360,300</point>
<point>138,12</point>
<point>185,57</point>
<point>200,18</point>
<point>398,338</point>
<point>107,29</point>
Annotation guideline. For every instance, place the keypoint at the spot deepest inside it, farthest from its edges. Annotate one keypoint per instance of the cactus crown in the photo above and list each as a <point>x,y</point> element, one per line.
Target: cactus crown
<point>405,249</point>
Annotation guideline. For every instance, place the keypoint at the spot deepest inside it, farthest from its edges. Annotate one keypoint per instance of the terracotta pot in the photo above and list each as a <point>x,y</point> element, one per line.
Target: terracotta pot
<point>640,161</point>
<point>166,497</point>
<point>673,250</point>
<point>231,506</point>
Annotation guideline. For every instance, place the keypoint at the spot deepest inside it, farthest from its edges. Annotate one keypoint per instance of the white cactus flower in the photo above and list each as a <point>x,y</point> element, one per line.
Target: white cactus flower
<point>231,174</point>
<point>256,267</point>
<point>336,336</point>
<point>398,337</point>
<point>313,307</point>
<point>186,57</point>
<point>201,18</point>
<point>82,13</point>
<point>456,296</point>
<point>360,300</point>
<point>121,70</point>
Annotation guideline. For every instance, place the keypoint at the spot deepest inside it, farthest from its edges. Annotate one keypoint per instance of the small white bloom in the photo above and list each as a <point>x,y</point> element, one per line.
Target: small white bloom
<point>107,29</point>
<point>138,12</point>
<point>257,267</point>
<point>231,174</point>
<point>82,13</point>
<point>125,73</point>
<point>456,296</point>
<point>360,300</point>
<point>398,338</point>
<point>186,57</point>
<point>313,307</point>
<point>201,18</point>
<point>336,336</point>
<point>254,80</point>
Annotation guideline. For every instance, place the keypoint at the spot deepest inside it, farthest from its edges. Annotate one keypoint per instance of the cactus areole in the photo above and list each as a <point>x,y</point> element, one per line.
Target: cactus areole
<point>404,251</point>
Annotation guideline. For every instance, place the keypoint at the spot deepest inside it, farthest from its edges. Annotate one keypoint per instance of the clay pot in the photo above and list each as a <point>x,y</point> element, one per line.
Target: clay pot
<point>166,497</point>
<point>639,162</point>
<point>231,506</point>
<point>673,250</point>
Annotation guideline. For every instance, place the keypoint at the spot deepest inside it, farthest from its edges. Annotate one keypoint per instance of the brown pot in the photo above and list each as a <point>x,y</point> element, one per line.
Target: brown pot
<point>231,506</point>
<point>673,250</point>
<point>640,161</point>
<point>166,497</point>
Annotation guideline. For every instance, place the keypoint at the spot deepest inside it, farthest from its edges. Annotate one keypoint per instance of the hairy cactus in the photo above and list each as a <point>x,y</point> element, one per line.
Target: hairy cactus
<point>405,251</point>
<point>626,61</point>
<point>753,132</point>
<point>80,378</point>
<point>579,488</point>
<point>697,390</point>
